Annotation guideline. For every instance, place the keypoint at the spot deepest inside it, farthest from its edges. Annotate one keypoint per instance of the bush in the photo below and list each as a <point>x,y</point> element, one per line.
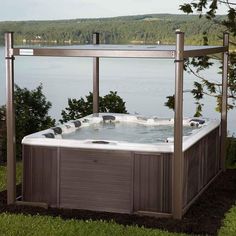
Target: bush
<point>31,110</point>
<point>83,107</point>
<point>231,152</point>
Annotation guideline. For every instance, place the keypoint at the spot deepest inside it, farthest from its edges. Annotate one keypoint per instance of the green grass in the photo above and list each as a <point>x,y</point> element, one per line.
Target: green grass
<point>24,225</point>
<point>3,178</point>
<point>229,223</point>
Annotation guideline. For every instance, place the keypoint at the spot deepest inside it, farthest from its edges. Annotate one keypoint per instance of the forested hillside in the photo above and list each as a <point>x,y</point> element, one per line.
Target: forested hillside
<point>141,29</point>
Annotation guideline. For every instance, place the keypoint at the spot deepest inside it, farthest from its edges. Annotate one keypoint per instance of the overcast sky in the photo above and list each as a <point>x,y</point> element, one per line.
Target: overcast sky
<point>70,9</point>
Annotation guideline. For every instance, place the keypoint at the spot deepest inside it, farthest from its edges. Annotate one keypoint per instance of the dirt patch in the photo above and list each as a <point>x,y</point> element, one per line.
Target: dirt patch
<point>204,217</point>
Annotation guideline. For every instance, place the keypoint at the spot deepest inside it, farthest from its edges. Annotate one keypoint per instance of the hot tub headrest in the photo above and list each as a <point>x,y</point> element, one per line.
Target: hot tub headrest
<point>100,142</point>
<point>49,135</point>
<point>57,130</point>
<point>77,123</point>
<point>196,122</point>
<point>108,118</point>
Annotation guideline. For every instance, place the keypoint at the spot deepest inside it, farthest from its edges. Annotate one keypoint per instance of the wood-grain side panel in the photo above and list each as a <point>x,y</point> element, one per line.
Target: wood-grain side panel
<point>40,174</point>
<point>100,181</point>
<point>201,164</point>
<point>153,182</point>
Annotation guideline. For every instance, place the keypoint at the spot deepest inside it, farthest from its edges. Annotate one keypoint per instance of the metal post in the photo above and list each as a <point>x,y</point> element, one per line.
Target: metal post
<point>96,77</point>
<point>178,125</point>
<point>224,101</point>
<point>10,118</point>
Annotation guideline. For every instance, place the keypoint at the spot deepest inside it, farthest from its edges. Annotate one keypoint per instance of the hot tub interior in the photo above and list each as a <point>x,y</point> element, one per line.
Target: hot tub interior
<point>129,132</point>
<point>123,128</point>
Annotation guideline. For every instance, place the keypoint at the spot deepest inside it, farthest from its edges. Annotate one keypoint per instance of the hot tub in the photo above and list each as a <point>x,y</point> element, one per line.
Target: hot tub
<point>118,163</point>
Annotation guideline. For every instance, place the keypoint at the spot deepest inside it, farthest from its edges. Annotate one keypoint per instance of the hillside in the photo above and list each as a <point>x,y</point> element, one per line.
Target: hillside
<point>142,29</point>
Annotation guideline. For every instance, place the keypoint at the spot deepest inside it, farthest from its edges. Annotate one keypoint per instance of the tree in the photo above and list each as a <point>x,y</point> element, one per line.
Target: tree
<point>83,107</point>
<point>31,110</point>
<point>208,9</point>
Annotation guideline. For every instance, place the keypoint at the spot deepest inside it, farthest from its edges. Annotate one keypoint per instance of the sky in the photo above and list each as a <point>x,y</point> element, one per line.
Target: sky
<point>71,9</point>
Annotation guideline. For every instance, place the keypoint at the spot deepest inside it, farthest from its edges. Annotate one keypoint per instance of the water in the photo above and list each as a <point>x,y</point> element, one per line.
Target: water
<point>129,132</point>
<point>142,83</point>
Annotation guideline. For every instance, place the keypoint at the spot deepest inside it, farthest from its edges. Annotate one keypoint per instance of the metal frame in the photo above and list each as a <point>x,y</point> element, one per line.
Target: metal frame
<point>10,119</point>
<point>179,52</point>
<point>224,101</point>
<point>178,127</point>
<point>95,77</point>
<point>120,51</point>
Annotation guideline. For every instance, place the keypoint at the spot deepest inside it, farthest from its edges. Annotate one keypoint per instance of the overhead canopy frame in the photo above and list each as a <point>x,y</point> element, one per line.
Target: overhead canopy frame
<point>121,51</point>
<point>178,53</point>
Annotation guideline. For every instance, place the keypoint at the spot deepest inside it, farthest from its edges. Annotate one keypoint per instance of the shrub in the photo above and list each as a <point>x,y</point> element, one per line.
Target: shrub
<point>84,106</point>
<point>231,152</point>
<point>31,110</point>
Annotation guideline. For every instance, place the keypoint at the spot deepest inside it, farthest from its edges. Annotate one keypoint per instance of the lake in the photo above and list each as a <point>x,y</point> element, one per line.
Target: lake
<point>142,83</point>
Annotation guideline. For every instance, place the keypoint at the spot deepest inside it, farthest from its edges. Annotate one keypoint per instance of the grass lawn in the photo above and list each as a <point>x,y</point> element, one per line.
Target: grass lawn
<point>229,223</point>
<point>23,225</point>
